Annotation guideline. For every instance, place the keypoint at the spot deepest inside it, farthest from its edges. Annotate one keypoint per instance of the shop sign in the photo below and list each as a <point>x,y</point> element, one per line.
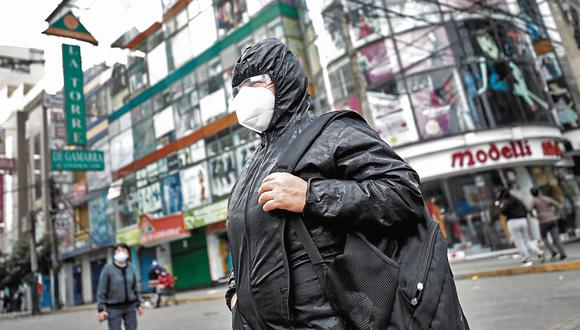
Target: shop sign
<point>513,150</point>
<point>69,26</point>
<point>469,157</point>
<point>77,160</point>
<point>7,163</point>
<point>206,215</point>
<point>74,99</point>
<point>130,236</point>
<point>158,230</point>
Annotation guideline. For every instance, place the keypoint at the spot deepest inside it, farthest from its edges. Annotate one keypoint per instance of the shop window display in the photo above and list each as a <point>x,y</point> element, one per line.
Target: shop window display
<point>230,14</point>
<point>424,49</point>
<point>473,197</point>
<point>438,104</point>
<point>378,62</point>
<point>393,117</point>
<point>194,186</point>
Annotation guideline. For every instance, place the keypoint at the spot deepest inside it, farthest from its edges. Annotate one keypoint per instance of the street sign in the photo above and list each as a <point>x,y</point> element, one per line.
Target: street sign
<point>77,160</point>
<point>74,99</point>
<point>69,26</point>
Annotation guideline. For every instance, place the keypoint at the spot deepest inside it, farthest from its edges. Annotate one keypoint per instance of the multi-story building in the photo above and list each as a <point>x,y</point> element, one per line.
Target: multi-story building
<point>173,148</point>
<point>20,70</point>
<point>455,88</point>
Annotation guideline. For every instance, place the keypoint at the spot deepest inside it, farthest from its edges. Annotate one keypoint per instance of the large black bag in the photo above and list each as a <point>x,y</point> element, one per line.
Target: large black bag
<point>363,283</point>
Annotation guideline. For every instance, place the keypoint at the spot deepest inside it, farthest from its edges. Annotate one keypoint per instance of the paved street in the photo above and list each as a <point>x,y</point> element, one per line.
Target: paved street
<point>536,301</point>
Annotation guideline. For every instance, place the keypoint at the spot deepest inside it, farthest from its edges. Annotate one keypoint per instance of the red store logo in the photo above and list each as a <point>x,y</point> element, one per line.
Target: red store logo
<point>514,149</point>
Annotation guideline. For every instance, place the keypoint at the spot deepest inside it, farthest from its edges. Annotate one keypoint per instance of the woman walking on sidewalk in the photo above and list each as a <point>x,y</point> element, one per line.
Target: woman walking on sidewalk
<point>517,221</point>
<point>545,209</point>
<point>117,295</point>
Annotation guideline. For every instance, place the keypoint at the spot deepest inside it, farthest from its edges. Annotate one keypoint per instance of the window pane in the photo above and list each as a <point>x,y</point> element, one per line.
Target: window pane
<point>157,64</point>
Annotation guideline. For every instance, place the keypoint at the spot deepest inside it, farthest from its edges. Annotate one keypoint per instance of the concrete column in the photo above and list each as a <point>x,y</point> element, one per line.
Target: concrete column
<point>215,261</point>
<point>87,279</point>
<point>164,256</point>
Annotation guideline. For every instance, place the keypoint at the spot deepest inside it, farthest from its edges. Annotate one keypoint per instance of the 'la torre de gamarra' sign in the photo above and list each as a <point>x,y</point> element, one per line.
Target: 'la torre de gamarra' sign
<point>77,160</point>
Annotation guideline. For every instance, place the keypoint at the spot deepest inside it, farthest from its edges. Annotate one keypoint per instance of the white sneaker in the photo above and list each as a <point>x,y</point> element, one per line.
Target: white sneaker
<point>527,263</point>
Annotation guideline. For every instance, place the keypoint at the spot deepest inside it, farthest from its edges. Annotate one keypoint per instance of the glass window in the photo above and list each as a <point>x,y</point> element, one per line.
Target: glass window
<point>255,6</point>
<point>188,82</point>
<point>157,64</point>
<point>171,191</point>
<point>97,180</point>
<point>424,49</point>
<point>164,122</point>
<point>203,22</point>
<point>366,21</point>
<point>180,48</point>
<point>122,150</point>
<point>150,199</point>
<point>378,62</point>
<point>229,56</point>
<point>144,142</point>
<point>438,103</point>
<point>424,12</point>
<point>229,14</point>
<point>127,202</point>
<point>213,105</point>
<point>195,188</point>
<point>223,174</point>
<point>342,82</point>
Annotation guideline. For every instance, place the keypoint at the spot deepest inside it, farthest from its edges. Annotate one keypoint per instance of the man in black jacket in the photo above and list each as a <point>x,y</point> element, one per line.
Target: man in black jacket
<point>348,178</point>
<point>517,222</point>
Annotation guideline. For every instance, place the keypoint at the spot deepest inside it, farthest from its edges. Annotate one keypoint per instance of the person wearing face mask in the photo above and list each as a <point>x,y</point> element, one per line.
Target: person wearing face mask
<point>117,297</point>
<point>348,177</point>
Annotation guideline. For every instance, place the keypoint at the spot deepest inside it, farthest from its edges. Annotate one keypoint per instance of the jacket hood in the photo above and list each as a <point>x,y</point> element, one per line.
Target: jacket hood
<point>272,57</point>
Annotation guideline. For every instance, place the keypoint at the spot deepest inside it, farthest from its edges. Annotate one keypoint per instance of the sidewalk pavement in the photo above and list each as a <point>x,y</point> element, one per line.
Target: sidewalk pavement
<point>213,293</point>
<point>502,264</point>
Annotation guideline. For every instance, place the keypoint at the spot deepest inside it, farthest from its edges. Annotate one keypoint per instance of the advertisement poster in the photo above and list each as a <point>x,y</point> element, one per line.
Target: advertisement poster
<point>364,20</point>
<point>424,49</point>
<point>244,152</point>
<point>150,198</point>
<point>423,11</point>
<point>550,67</point>
<point>101,228</point>
<point>393,118</point>
<point>194,186</point>
<point>223,174</point>
<point>431,112</point>
<point>378,61</point>
<point>171,194</point>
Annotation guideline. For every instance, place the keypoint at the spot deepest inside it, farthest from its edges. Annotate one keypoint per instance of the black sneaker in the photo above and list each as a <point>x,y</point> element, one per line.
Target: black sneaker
<point>554,256</point>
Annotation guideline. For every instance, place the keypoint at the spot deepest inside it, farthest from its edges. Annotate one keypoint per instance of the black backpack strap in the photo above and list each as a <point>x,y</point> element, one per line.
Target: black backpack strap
<point>287,163</point>
<point>298,147</point>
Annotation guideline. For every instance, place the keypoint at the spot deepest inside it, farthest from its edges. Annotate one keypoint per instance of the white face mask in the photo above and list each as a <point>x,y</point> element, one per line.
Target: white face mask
<point>254,107</point>
<point>121,257</point>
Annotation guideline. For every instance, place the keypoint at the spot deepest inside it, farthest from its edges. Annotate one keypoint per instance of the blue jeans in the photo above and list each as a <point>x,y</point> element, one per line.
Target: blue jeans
<point>118,314</point>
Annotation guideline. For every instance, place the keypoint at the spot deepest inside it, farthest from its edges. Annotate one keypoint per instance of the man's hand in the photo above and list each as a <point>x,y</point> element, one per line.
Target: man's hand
<point>102,316</point>
<point>283,191</point>
<point>140,310</point>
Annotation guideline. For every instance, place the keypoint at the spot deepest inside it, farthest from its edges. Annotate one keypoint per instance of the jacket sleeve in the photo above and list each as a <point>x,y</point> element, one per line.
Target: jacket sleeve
<point>553,202</point>
<point>102,289</point>
<point>370,184</point>
<point>231,290</point>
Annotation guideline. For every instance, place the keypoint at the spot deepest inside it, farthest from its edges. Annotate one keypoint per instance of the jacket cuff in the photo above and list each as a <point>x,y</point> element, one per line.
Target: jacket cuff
<point>229,294</point>
<point>101,308</point>
<point>310,204</point>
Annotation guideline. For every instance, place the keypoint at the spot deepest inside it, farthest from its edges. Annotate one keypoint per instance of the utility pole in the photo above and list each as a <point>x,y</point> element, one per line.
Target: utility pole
<point>33,264</point>
<point>359,79</point>
<point>48,186</point>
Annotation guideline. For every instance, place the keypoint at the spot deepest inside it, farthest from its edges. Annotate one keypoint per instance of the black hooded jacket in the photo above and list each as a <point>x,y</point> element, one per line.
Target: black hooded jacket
<point>354,180</point>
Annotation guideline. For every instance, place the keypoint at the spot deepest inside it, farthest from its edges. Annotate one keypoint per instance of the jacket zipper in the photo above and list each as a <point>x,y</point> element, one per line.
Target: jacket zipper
<point>424,266</point>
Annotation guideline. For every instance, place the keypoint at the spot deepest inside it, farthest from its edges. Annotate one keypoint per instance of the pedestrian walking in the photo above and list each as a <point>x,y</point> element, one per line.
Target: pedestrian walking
<point>517,222</point>
<point>301,230</point>
<point>117,297</point>
<point>547,211</point>
<point>165,284</point>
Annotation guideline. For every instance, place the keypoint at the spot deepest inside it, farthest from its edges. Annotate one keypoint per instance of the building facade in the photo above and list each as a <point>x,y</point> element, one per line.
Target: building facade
<point>455,87</point>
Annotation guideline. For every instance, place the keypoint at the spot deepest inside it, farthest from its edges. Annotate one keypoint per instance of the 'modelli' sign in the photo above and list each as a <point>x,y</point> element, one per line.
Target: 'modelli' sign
<point>492,152</point>
<point>74,100</point>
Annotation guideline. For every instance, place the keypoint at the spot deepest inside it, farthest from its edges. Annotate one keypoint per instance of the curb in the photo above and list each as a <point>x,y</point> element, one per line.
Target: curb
<point>540,268</point>
<point>93,307</point>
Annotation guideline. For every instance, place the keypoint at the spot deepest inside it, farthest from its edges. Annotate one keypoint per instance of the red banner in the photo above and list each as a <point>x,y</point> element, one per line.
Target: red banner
<point>160,230</point>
